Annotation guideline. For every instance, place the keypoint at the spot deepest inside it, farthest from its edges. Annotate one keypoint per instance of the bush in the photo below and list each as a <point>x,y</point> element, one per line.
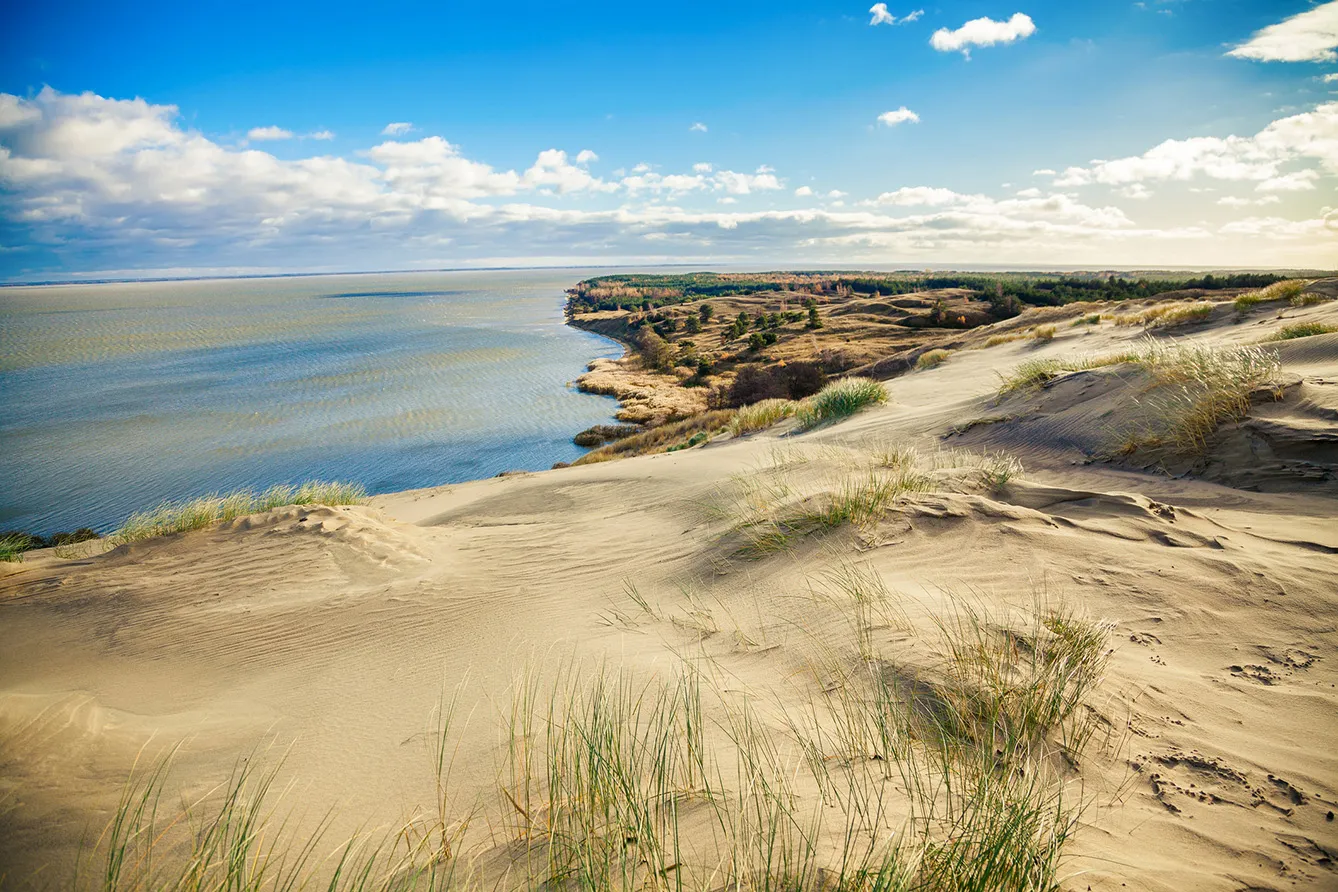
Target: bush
<point>604,433</point>
<point>931,359</point>
<point>793,381</point>
<point>841,399</point>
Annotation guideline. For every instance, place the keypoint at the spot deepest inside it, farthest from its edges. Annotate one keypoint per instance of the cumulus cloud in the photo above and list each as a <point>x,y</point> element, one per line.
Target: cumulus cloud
<point>260,134</point>
<point>698,127</point>
<point>899,116</point>
<point>396,128</point>
<point>983,32</point>
<point>1136,191</point>
<point>1306,137</point>
<point>103,183</point>
<point>1310,36</point>
<point>1297,181</point>
<point>701,167</point>
<point>586,156</point>
<point>912,16</point>
<point>803,191</point>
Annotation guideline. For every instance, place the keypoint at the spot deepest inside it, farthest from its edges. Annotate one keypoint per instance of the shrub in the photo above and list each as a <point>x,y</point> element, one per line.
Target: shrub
<point>794,381</point>
<point>841,399</point>
<point>604,433</point>
<point>659,439</point>
<point>1303,330</point>
<point>931,359</point>
<point>761,415</point>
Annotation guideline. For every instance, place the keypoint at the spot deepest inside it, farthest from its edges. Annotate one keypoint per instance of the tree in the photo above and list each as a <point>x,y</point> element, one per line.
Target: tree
<point>692,325</point>
<point>706,311</point>
<point>655,352</point>
<point>813,320</point>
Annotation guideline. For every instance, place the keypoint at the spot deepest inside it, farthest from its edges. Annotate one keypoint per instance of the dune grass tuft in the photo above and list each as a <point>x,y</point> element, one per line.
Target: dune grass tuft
<point>180,517</point>
<point>840,399</point>
<point>1043,333</point>
<point>762,415</point>
<point>1090,319</point>
<point>1289,289</point>
<point>12,548</point>
<point>1303,330</point>
<point>931,359</point>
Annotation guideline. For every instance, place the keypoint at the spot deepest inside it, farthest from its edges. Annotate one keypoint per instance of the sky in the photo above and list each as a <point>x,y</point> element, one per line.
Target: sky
<point>212,138</point>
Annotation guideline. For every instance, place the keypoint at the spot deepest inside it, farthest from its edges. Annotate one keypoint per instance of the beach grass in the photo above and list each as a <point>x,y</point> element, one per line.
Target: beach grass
<point>12,548</point>
<point>931,359</point>
<point>1303,330</point>
<point>762,415</point>
<point>840,399</point>
<point>194,514</point>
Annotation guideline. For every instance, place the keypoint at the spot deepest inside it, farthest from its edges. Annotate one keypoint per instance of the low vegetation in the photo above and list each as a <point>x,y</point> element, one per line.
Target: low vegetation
<point>875,769</point>
<point>1193,390</point>
<point>1303,330</point>
<point>771,509</point>
<point>1043,333</point>
<point>1288,289</point>
<point>931,359</point>
<point>840,399</point>
<point>1168,316</point>
<point>181,517</point>
<point>662,438</point>
<point>605,433</point>
<point>762,415</point>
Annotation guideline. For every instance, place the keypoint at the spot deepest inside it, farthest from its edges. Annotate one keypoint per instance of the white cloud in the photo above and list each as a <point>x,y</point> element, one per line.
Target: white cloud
<point>900,116</point>
<point>396,128</point>
<point>103,184</point>
<point>881,16</point>
<point>586,156</point>
<point>1330,78</point>
<point>1043,172</point>
<point>803,191</point>
<point>701,167</point>
<point>1136,191</point>
<point>1309,136</point>
<point>1029,193</point>
<point>1232,201</point>
<point>1298,181</point>
<point>837,193</point>
<point>259,134</point>
<point>321,134</point>
<point>912,196</point>
<point>698,127</point>
<point>912,16</point>
<point>1310,36</point>
<point>983,32</point>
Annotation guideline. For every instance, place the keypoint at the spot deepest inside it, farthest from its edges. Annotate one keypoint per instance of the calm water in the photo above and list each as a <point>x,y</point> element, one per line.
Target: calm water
<point>118,396</point>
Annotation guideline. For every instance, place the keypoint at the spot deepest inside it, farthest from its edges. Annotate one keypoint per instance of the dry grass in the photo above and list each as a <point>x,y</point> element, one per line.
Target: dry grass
<point>1168,315</point>
<point>762,415</point>
<point>1043,333</point>
<point>1303,330</point>
<point>662,438</point>
<point>768,510</point>
<point>931,359</point>
<point>1090,319</point>
<point>180,517</point>
<point>865,774</point>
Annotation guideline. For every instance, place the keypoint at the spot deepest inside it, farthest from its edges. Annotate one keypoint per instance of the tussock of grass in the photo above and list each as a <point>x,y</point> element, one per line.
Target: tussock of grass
<point>769,511</point>
<point>840,399</point>
<point>12,548</point>
<point>1303,330</point>
<point>762,415</point>
<point>1168,315</point>
<point>660,439</point>
<point>996,340</point>
<point>1310,299</point>
<point>1092,319</point>
<point>1043,333</point>
<point>1285,290</point>
<point>931,359</point>
<point>180,517</point>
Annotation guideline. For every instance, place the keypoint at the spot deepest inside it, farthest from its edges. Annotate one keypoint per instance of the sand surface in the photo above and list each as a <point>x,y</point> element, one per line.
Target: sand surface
<point>328,635</point>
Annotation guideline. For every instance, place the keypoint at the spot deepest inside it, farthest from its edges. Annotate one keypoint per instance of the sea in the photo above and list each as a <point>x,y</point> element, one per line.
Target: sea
<point>117,396</point>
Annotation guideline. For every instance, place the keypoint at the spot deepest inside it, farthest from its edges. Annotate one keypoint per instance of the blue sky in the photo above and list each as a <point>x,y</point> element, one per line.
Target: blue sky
<point>257,138</point>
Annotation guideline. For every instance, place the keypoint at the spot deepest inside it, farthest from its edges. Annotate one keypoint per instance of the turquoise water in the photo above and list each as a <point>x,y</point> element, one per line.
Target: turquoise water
<point>117,396</point>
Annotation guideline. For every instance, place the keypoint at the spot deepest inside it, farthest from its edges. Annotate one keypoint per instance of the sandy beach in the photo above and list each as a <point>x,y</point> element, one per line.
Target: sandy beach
<point>322,642</point>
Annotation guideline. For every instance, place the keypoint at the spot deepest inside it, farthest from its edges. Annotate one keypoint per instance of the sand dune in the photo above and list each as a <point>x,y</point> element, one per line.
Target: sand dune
<point>332,633</point>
